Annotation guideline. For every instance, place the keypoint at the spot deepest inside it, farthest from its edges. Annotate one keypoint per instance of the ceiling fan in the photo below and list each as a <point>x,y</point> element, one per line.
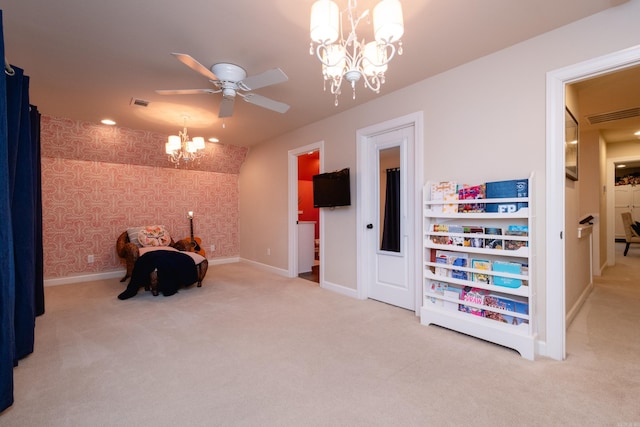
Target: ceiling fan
<point>231,80</point>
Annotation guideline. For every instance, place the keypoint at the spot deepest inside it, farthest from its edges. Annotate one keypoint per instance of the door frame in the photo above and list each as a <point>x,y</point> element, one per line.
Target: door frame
<point>415,253</point>
<point>293,208</point>
<point>555,346</point>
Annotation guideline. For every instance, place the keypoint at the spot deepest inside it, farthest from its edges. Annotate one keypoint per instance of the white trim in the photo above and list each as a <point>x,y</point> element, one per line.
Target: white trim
<point>118,273</point>
<point>555,187</point>
<point>293,208</point>
<point>266,267</point>
<point>339,289</point>
<point>226,260</point>
<point>415,120</point>
<point>84,278</point>
<point>578,305</point>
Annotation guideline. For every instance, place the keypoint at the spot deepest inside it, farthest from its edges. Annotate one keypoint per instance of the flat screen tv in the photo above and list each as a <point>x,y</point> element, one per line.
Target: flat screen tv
<point>332,189</point>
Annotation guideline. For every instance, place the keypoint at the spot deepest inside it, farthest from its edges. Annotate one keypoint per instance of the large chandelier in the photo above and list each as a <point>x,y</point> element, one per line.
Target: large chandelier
<point>180,148</point>
<point>349,57</point>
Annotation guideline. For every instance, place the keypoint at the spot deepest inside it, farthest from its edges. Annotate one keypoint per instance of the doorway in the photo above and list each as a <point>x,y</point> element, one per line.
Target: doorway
<point>305,233</point>
<point>555,187</point>
<point>389,267</point>
<point>308,218</point>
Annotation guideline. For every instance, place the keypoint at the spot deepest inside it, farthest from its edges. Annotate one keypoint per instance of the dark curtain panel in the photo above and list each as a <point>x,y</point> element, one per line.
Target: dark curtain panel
<point>21,276</point>
<point>391,227</point>
<point>7,272</point>
<point>34,116</point>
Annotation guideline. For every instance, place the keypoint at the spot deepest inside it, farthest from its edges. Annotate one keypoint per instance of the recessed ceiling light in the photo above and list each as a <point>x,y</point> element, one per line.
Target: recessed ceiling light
<point>214,140</point>
<point>107,122</point>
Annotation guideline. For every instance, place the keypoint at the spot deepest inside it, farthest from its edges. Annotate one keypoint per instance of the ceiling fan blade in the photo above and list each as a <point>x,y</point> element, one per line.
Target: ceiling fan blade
<point>265,102</point>
<point>268,78</point>
<point>226,107</point>
<point>185,91</point>
<point>195,65</point>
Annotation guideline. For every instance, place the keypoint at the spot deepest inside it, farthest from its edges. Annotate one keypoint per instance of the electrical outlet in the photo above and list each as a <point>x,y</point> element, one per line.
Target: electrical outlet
<point>268,251</point>
<point>90,259</point>
<point>213,248</point>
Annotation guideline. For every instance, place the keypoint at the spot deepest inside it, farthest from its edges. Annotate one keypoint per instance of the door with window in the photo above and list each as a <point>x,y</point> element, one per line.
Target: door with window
<point>389,185</point>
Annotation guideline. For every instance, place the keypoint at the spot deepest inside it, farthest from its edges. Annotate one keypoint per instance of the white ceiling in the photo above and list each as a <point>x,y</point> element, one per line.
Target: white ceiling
<point>88,59</point>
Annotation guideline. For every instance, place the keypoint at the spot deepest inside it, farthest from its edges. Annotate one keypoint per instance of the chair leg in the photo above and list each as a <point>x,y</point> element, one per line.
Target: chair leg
<point>626,249</point>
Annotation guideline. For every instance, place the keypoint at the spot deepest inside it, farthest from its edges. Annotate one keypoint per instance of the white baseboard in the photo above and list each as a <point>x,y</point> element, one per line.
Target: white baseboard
<point>266,267</point>
<point>218,261</point>
<point>578,305</point>
<point>117,274</point>
<point>340,289</point>
<point>84,278</point>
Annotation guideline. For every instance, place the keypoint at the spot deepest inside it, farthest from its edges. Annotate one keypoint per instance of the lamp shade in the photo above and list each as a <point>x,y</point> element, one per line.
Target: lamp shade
<point>388,26</point>
<point>198,141</point>
<point>174,143</point>
<point>375,59</point>
<point>335,56</point>
<point>325,22</point>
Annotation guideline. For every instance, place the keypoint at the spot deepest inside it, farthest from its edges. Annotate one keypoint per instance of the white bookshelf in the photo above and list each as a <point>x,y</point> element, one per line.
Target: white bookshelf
<point>443,308</point>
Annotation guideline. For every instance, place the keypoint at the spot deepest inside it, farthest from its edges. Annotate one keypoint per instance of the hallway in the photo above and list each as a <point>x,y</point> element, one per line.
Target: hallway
<point>607,328</point>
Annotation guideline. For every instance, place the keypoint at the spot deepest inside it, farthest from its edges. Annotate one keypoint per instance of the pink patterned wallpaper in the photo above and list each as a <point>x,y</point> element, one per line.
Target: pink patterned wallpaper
<point>97,181</point>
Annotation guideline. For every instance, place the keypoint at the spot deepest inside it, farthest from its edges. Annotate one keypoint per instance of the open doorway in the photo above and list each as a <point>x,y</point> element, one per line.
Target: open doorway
<point>305,222</point>
<point>308,218</point>
<point>557,81</point>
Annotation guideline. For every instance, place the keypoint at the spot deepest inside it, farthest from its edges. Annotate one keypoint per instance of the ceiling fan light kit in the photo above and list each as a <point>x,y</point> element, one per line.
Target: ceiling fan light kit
<point>348,58</point>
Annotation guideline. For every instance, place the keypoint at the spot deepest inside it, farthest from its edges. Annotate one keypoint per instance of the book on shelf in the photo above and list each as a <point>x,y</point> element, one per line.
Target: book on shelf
<point>516,230</point>
<point>473,241</point>
<point>437,288</point>
<point>474,192</point>
<point>459,259</point>
<point>444,191</point>
<point>476,296</point>
<point>507,267</point>
<point>511,189</point>
<point>508,304</point>
<point>493,242</point>
<point>481,264</point>
<point>455,293</point>
<point>440,240</point>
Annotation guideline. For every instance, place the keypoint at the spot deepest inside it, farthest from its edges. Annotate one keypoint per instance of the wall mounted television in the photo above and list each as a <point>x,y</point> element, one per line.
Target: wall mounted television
<point>332,189</point>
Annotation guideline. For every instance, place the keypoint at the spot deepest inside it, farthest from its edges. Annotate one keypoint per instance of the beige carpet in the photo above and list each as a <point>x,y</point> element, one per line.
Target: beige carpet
<point>251,348</point>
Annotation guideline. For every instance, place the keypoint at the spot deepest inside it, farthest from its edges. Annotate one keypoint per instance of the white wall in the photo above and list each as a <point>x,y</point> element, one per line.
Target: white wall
<point>483,121</point>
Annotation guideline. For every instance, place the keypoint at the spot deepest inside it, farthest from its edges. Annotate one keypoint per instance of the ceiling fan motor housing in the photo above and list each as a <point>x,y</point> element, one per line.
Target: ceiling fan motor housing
<point>228,72</point>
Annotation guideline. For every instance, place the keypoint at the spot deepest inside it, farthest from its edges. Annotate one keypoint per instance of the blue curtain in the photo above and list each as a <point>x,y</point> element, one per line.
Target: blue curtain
<point>391,226</point>
<point>21,275</point>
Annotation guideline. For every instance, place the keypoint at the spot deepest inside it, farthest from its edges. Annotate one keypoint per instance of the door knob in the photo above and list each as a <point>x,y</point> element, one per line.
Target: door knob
<point>369,226</point>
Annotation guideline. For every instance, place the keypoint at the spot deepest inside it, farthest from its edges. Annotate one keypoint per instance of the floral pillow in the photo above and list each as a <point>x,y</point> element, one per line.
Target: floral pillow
<point>154,235</point>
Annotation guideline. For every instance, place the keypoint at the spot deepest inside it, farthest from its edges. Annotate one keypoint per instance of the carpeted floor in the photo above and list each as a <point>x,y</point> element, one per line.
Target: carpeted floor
<point>251,348</point>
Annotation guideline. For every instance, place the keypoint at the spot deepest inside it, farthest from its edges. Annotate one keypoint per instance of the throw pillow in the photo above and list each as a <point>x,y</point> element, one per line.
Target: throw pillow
<point>154,235</point>
<point>133,234</point>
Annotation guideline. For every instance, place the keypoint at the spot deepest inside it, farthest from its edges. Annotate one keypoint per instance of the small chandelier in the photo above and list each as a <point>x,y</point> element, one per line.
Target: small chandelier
<point>180,148</point>
<point>350,58</point>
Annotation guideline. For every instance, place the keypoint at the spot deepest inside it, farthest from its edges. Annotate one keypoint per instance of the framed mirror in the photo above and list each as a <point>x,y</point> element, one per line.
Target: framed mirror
<point>571,145</point>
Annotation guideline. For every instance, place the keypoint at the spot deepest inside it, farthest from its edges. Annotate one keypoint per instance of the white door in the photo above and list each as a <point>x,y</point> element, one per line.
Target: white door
<point>389,275</point>
<point>622,204</point>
